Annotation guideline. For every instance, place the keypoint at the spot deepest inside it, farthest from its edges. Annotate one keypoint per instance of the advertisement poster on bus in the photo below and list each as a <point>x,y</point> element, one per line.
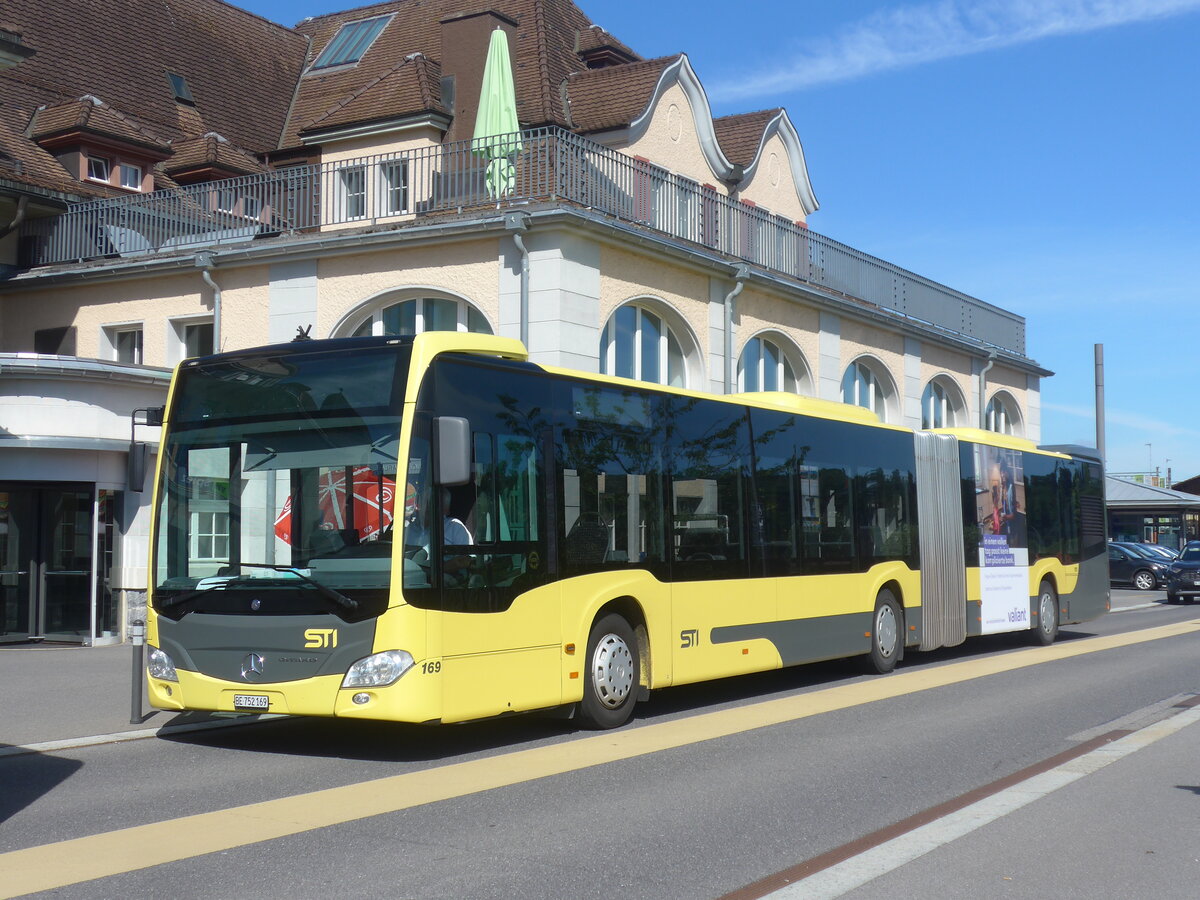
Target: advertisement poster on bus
<point>1003,543</point>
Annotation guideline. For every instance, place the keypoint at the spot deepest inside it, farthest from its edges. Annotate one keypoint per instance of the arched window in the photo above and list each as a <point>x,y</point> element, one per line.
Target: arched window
<point>421,314</point>
<point>1001,416</point>
<point>764,366</point>
<point>862,386</point>
<point>942,404</point>
<point>637,343</point>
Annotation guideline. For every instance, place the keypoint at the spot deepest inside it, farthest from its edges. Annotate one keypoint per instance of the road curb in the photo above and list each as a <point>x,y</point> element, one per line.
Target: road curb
<point>139,734</point>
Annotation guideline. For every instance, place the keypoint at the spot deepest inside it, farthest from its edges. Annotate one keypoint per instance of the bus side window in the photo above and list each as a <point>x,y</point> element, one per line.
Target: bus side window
<point>830,539</point>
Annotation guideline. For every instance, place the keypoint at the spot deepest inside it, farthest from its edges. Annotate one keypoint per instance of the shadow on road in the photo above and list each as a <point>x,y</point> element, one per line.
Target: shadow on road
<point>26,777</point>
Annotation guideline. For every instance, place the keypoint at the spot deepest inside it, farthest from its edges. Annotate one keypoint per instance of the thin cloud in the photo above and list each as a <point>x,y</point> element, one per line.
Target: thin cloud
<point>1124,418</point>
<point>912,35</point>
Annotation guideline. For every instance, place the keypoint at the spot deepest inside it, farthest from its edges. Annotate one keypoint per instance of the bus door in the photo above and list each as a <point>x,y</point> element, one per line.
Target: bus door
<point>721,618</point>
<point>500,621</point>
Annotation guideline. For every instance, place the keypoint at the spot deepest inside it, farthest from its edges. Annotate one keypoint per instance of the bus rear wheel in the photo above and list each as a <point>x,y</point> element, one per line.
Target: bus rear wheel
<point>887,633</point>
<point>1046,629</point>
<point>610,686</point>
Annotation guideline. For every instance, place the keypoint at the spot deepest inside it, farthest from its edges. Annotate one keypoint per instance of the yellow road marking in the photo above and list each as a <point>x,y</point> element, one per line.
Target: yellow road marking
<point>129,849</point>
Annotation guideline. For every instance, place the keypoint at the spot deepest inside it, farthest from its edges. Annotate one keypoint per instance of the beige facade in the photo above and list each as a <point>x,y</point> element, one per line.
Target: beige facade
<point>773,186</point>
<point>672,141</point>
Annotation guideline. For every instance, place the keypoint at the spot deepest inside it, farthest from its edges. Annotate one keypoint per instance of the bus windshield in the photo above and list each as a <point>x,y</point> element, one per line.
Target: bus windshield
<point>278,480</point>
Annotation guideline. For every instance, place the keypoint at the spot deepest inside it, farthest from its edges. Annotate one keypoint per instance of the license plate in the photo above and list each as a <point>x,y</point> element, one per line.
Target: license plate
<point>251,701</point>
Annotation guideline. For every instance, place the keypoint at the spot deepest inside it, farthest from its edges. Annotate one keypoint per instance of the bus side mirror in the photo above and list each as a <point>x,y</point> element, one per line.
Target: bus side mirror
<point>136,470</point>
<point>452,438</point>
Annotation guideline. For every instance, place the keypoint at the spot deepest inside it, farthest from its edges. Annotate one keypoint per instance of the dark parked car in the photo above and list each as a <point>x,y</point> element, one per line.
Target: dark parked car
<point>1183,578</point>
<point>1165,552</point>
<point>1128,567</point>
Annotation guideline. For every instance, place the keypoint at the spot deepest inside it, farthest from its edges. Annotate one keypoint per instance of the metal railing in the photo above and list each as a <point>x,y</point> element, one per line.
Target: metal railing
<point>551,165</point>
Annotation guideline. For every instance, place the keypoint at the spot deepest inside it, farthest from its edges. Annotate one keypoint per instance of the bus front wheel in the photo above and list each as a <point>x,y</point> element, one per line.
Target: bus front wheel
<point>887,633</point>
<point>1046,629</point>
<point>610,686</point>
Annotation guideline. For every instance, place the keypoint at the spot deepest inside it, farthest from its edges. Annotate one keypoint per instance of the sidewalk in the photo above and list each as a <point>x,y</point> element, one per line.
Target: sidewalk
<point>60,692</point>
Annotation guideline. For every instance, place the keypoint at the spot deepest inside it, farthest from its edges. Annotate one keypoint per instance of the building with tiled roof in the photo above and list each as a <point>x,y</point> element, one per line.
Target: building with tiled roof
<point>177,178</point>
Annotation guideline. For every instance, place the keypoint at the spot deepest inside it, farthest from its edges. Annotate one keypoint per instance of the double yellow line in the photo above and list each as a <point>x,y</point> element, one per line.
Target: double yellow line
<point>129,849</point>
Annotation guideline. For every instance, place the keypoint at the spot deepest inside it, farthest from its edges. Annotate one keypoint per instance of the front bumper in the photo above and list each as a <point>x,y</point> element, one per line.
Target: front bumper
<point>415,697</point>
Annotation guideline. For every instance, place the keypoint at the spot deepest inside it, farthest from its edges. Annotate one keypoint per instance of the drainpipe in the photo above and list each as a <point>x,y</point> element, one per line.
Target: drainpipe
<point>991,361</point>
<point>22,205</point>
<point>517,223</point>
<point>204,262</point>
<point>741,274</point>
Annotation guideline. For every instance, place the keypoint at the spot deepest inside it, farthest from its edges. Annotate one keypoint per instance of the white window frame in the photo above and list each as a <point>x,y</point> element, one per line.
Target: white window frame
<point>357,195</point>
<point>212,534</point>
<point>999,416</point>
<point>942,396</point>
<point>782,367</point>
<point>462,318</point>
<point>134,183</point>
<point>608,346</point>
<point>878,392</point>
<point>107,164</point>
<point>177,336</point>
<point>110,340</point>
<point>387,189</point>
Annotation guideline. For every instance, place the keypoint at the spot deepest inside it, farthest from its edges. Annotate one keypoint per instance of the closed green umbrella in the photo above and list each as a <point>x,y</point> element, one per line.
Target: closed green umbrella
<point>497,131</point>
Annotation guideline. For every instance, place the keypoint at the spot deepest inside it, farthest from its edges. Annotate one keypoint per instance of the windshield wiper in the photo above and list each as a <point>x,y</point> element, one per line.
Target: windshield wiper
<point>335,597</point>
<point>178,599</point>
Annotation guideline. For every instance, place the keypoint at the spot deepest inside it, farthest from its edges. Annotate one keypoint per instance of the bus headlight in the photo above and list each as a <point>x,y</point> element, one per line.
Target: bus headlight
<point>378,670</point>
<point>160,665</point>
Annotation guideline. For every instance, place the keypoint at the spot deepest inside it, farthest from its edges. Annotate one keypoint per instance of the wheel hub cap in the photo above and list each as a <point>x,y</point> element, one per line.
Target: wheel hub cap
<point>612,670</point>
<point>885,631</point>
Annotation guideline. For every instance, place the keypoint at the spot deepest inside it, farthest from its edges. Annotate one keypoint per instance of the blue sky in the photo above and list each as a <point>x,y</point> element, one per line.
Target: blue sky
<point>1039,154</point>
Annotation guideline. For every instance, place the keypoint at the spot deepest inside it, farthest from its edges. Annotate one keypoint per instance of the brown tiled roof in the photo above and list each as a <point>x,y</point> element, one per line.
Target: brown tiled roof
<point>740,135</point>
<point>544,56</point>
<point>89,113</point>
<point>596,38</point>
<point>413,86</point>
<point>211,150</point>
<point>241,69</point>
<point>612,97</point>
<point>28,163</point>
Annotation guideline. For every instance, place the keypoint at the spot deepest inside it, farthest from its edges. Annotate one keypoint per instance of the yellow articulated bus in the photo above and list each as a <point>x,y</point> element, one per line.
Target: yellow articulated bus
<point>433,529</point>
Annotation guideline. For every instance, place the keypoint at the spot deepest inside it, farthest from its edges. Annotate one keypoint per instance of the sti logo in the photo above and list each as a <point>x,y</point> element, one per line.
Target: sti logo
<point>320,638</point>
<point>689,638</point>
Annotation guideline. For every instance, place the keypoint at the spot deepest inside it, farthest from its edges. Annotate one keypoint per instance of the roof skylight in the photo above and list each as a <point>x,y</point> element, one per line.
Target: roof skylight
<point>351,42</point>
<point>180,87</point>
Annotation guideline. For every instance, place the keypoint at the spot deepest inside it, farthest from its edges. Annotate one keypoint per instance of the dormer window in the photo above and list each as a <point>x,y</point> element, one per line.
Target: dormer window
<point>98,168</point>
<point>351,42</point>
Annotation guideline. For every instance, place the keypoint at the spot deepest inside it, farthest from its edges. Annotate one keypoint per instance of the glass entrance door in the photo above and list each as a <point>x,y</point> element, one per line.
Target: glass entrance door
<point>46,565</point>
<point>18,540</point>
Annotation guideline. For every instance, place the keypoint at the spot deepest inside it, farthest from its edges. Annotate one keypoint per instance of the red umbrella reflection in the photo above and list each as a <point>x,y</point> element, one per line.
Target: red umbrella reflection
<point>368,510</point>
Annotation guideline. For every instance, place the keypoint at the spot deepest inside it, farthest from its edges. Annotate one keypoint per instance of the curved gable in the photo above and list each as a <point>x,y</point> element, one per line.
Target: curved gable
<point>680,73</point>
<point>780,127</point>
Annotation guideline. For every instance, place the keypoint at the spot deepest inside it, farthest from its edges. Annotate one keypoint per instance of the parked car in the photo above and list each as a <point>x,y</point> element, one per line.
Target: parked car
<point>1128,567</point>
<point>1183,577</point>
<point>1165,552</point>
<point>1147,551</point>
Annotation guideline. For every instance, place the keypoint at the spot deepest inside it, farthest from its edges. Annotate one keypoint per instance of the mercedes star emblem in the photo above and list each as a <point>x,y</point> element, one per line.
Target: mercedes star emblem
<point>252,667</point>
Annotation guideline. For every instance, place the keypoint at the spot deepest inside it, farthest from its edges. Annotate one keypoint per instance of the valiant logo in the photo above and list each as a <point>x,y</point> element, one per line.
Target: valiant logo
<point>320,638</point>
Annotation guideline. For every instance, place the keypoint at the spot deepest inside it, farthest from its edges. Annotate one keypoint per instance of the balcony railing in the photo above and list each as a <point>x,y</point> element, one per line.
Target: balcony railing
<point>552,165</point>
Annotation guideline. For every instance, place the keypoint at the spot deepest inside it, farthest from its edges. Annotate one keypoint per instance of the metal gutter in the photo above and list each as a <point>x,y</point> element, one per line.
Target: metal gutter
<point>607,229</point>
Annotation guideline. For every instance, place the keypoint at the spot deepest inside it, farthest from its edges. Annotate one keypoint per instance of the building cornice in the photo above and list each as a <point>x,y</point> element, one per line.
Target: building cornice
<point>603,228</point>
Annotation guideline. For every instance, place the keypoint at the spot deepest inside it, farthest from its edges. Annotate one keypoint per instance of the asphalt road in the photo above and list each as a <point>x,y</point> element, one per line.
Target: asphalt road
<point>711,789</point>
